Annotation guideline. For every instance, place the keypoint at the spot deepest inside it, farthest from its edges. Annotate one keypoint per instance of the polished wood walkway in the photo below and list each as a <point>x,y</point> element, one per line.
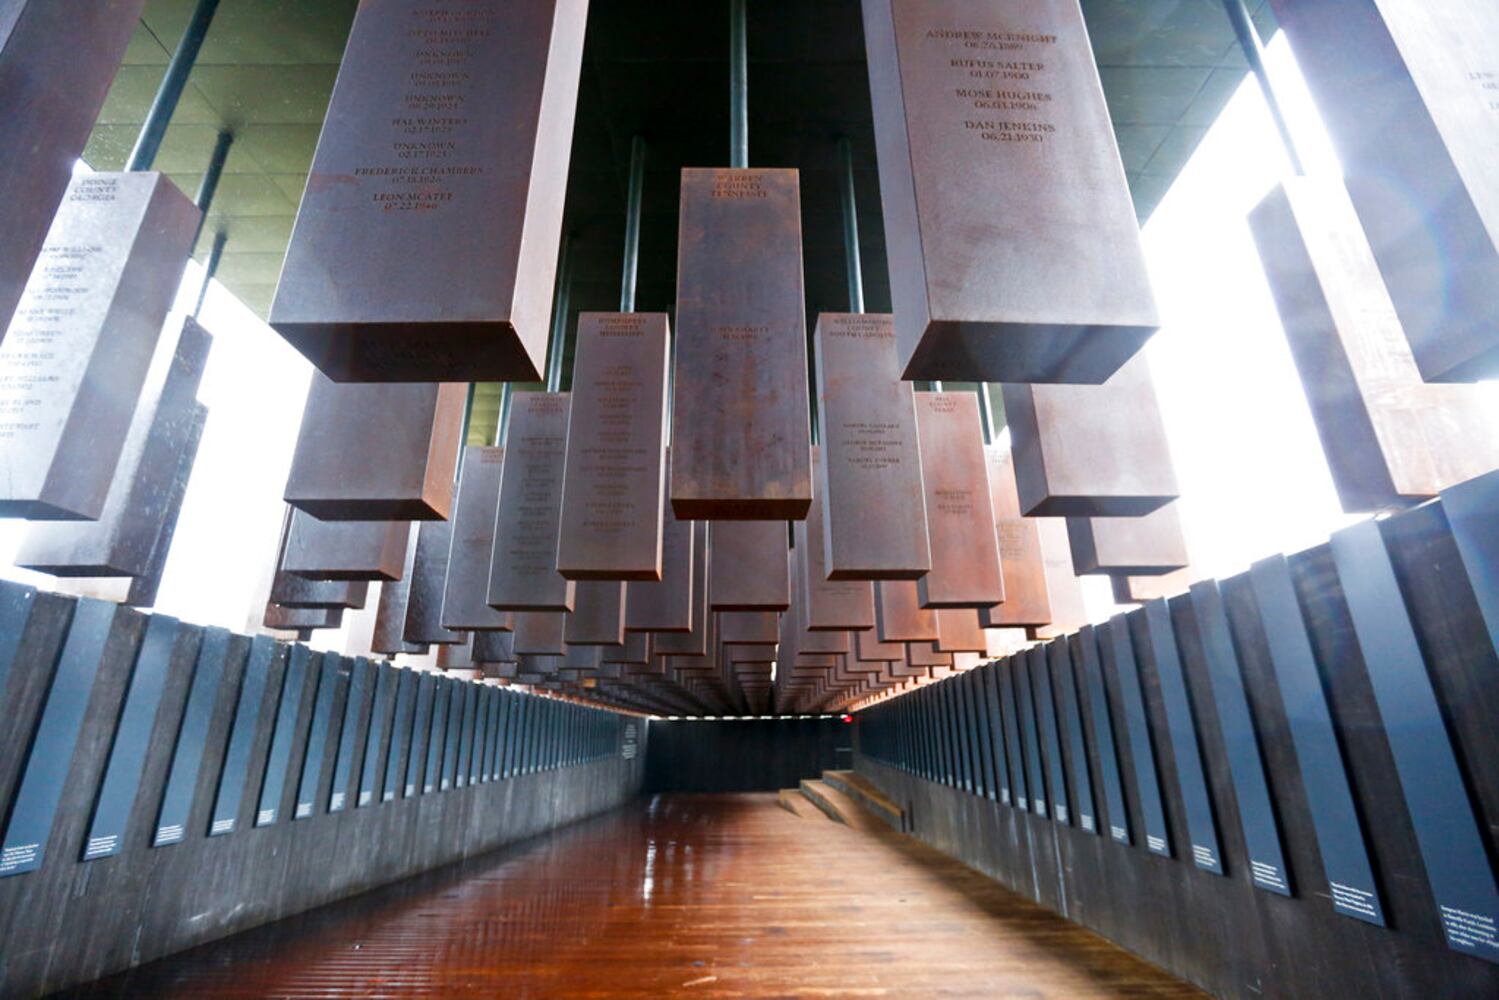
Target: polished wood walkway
<point>697,896</point>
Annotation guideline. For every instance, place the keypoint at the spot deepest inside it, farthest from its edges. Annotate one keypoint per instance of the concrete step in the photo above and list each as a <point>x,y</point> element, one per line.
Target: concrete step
<point>793,801</point>
<point>840,807</point>
<point>868,795</point>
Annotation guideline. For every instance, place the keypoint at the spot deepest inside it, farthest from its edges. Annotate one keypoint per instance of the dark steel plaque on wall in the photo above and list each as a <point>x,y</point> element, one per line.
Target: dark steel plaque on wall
<point>670,605</point>
<point>1070,722</point>
<point>390,613</point>
<point>1471,516</point>
<point>380,721</point>
<point>899,614</point>
<point>451,178</point>
<point>1151,545</point>
<point>127,754</point>
<point>1013,247</point>
<point>614,488</point>
<point>1340,835</point>
<point>345,550</point>
<point>1267,866</point>
<point>122,540</point>
<point>828,604</point>
<point>1083,657</point>
<point>990,678</point>
<point>959,519</point>
<point>1091,450</point>
<point>1407,93</point>
<point>740,423</point>
<point>421,733</point>
<point>1447,830</point>
<point>1033,736</point>
<point>1020,558</point>
<point>466,703</point>
<point>77,353</point>
<point>437,734</point>
<point>1004,680</point>
<point>1181,728</point>
<point>1118,655</point>
<point>40,787</point>
<point>429,574</point>
<point>360,682</point>
<point>192,738</point>
<point>299,659</point>
<point>869,483</point>
<point>56,65</point>
<point>333,674</point>
<point>236,769</point>
<point>401,743</point>
<point>523,572</point>
<point>750,569</point>
<point>598,615</point>
<point>377,452</point>
<point>472,544</point>
<point>453,733</point>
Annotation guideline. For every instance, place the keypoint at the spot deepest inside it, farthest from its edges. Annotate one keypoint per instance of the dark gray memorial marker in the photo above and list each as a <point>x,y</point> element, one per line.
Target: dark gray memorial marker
<point>1085,661</point>
<point>360,683</point>
<point>192,738</point>
<point>333,673</point>
<point>380,722</point>
<point>421,734</point>
<point>1070,719</point>
<point>299,659</point>
<point>242,736</point>
<point>401,742</point>
<point>1118,655</point>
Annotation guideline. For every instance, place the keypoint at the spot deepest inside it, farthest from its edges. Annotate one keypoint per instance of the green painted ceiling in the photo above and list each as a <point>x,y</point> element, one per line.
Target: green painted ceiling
<point>654,67</point>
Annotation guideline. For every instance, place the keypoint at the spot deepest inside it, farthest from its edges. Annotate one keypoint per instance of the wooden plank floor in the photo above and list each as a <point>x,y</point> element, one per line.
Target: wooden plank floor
<point>697,896</point>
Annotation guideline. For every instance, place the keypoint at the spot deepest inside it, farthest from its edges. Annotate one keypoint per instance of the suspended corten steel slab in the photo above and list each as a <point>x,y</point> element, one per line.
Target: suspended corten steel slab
<point>1390,438</point>
<point>345,550</point>
<point>120,543</point>
<point>869,649</point>
<point>958,631</point>
<point>668,606</point>
<point>296,619</point>
<point>390,613</point>
<point>1020,557</point>
<point>57,61</point>
<point>429,574</point>
<point>1014,251</point>
<point>827,605</point>
<point>1152,545</point>
<point>426,244</point>
<point>756,628</point>
<point>615,482</point>
<point>539,633</point>
<point>457,656</point>
<point>869,480</point>
<point>1408,93</point>
<point>468,569</point>
<point>377,452</point>
<point>523,571</point>
<point>143,588</point>
<point>899,614</point>
<point>965,569</point>
<point>695,641</point>
<point>750,570</point>
<point>635,649</point>
<point>740,426</point>
<point>598,615</point>
<point>1090,451</point>
<point>494,647</point>
<point>926,654</point>
<point>1141,589</point>
<point>292,591</point>
<point>1064,591</point>
<point>75,359</point>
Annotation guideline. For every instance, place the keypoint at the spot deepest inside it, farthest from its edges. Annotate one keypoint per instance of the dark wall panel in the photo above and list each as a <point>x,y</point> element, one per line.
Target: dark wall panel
<point>751,755</point>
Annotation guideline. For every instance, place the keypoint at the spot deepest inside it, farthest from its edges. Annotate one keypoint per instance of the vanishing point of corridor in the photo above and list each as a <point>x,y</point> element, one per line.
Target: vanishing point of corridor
<point>702,896</point>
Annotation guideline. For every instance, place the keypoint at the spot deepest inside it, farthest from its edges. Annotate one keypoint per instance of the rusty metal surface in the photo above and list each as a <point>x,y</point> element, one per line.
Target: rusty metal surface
<point>387,637</point>
<point>56,65</point>
<point>121,542</point>
<point>899,616</point>
<point>1391,438</point>
<point>429,572</point>
<point>827,604</point>
<point>463,606</point>
<point>523,571</point>
<point>740,427</point>
<point>449,177</point>
<point>297,619</point>
<point>868,482</point>
<point>1064,590</point>
<point>598,615</point>
<point>965,569</point>
<point>959,631</point>
<point>614,486</point>
<point>756,628</point>
<point>1152,545</point>
<point>868,648</point>
<point>494,647</point>
<point>693,642</point>
<point>345,550</point>
<point>1013,248</point>
<point>750,567</point>
<point>1020,555</point>
<point>1091,451</point>
<point>377,452</point>
<point>76,356</point>
<point>539,633</point>
<point>1409,93</point>
<point>668,606</point>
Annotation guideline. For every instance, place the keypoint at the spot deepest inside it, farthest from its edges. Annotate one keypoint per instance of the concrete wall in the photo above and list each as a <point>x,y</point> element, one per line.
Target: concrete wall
<point>69,921</point>
<point>1222,931</point>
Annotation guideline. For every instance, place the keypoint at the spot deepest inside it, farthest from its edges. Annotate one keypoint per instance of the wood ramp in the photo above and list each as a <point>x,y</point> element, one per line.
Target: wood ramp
<point>844,797</point>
